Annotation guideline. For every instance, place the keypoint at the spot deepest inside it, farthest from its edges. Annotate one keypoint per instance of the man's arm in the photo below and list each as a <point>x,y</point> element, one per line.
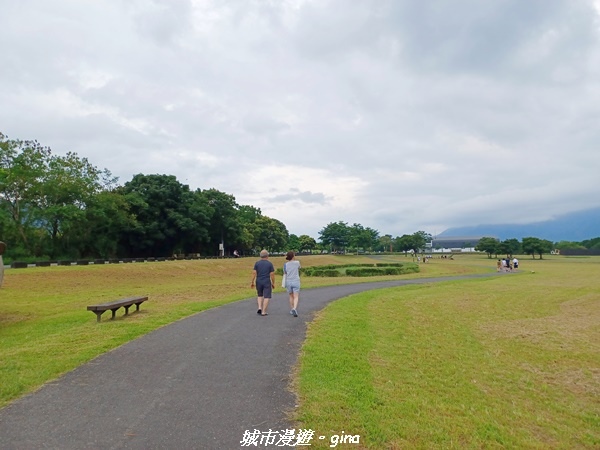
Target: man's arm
<point>253,278</point>
<point>273,279</point>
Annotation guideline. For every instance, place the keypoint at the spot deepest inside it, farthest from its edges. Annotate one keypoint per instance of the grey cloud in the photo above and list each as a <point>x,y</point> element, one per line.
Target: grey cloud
<point>162,20</point>
<point>484,36</point>
<point>445,111</point>
<point>305,197</point>
<point>258,125</point>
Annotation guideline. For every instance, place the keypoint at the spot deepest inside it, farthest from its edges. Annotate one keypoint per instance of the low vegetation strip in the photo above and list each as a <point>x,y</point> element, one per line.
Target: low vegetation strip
<point>358,270</point>
<point>506,362</point>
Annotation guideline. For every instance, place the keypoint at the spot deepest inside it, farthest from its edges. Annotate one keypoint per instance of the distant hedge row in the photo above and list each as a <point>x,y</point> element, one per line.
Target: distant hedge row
<point>85,262</point>
<point>358,270</point>
<point>376,271</point>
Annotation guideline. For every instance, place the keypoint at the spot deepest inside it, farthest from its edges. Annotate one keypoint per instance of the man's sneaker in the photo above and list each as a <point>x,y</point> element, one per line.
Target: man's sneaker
<point>294,313</point>
<point>259,312</point>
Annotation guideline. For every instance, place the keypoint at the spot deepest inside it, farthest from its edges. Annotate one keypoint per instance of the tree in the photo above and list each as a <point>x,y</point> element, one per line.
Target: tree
<point>403,243</point>
<point>418,241</point>
<point>568,245</point>
<point>509,247</point>
<point>69,186</point>
<point>107,218</point>
<point>306,243</point>
<point>294,243</point>
<point>386,243</point>
<point>46,197</point>
<point>269,234</point>
<point>489,245</point>
<point>22,169</point>
<point>361,237</point>
<point>247,215</point>
<point>169,217</point>
<point>335,235</point>
<point>533,245</point>
<point>591,243</point>
<point>225,221</point>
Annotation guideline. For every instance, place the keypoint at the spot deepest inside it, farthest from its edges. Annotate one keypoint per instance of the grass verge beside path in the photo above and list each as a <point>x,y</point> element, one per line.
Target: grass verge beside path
<point>45,329</point>
<point>505,362</point>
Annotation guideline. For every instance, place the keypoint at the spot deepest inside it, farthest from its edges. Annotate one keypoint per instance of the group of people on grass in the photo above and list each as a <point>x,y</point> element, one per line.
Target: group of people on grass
<point>263,277</point>
<point>507,265</point>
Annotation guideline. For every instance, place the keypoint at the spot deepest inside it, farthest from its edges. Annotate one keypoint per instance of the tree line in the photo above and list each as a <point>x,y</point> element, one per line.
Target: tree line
<point>64,207</point>
<point>531,246</point>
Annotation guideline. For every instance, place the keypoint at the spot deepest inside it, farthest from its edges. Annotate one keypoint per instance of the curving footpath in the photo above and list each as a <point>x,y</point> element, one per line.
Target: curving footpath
<point>198,383</point>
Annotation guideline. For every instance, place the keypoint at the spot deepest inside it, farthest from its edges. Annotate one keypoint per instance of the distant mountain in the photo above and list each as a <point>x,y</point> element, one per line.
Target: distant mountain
<point>577,227</point>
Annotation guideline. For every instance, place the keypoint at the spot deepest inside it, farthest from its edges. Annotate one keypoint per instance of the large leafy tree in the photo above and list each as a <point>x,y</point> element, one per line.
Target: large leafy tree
<point>386,243</point>
<point>509,247</point>
<point>532,246</point>
<point>169,217</point>
<point>489,245</point>
<point>46,197</point>
<point>568,245</point>
<point>418,241</point>
<point>69,187</point>
<point>270,234</point>
<point>107,218</point>
<point>226,225</point>
<point>361,237</point>
<point>247,215</point>
<point>335,235</point>
<point>591,243</point>
<point>293,243</point>
<point>403,243</point>
<point>23,165</point>
<point>306,243</point>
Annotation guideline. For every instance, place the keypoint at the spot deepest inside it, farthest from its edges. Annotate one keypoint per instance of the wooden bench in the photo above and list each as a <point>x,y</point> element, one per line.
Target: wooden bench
<point>114,306</point>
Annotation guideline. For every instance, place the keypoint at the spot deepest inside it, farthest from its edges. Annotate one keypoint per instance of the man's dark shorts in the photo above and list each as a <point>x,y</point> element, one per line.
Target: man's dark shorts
<point>264,289</point>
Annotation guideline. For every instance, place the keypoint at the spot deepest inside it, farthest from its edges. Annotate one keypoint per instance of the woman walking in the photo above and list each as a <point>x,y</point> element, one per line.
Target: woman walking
<point>291,269</point>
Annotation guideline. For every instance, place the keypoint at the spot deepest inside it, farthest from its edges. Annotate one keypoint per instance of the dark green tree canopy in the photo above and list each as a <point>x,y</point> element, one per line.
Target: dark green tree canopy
<point>489,245</point>
<point>335,235</point>
<point>169,217</point>
<point>533,246</point>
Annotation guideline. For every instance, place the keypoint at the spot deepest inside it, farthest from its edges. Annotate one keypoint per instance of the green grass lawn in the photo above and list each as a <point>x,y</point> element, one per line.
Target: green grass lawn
<point>506,362</point>
<point>45,329</point>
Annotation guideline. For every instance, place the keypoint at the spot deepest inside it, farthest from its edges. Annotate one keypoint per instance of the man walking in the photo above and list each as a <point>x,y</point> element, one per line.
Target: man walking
<point>264,276</point>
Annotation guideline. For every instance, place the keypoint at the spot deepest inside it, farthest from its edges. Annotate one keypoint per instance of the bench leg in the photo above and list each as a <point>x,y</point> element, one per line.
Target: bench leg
<point>114,312</point>
<point>98,315</point>
<point>127,309</point>
<point>137,306</point>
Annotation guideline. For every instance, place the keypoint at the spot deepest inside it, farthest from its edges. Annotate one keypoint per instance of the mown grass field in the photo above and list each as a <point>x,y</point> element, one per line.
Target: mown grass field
<point>506,362</point>
<point>45,329</point>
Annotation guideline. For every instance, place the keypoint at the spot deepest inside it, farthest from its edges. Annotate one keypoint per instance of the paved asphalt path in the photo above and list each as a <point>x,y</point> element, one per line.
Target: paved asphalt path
<point>198,383</point>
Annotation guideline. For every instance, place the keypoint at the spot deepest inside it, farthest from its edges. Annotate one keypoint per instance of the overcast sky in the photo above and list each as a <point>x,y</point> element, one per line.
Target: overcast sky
<point>400,115</point>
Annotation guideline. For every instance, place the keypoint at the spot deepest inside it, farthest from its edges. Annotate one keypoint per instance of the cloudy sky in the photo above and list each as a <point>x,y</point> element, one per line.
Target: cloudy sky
<point>400,115</point>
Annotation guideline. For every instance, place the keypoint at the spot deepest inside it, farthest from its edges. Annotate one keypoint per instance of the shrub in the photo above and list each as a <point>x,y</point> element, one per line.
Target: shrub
<point>326,273</point>
<point>365,272</point>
